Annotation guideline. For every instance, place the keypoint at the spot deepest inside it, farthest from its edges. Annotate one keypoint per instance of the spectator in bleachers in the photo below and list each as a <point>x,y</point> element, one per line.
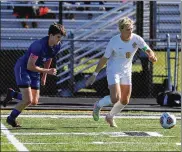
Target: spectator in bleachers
<point>69,8</point>
<point>80,8</point>
<point>87,8</point>
<point>45,12</point>
<point>26,12</point>
<point>28,69</point>
<point>32,12</point>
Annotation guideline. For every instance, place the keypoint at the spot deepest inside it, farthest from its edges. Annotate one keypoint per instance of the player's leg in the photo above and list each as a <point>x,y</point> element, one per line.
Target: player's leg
<point>124,100</point>
<point>115,94</point>
<point>22,79</point>
<point>35,87</point>
<point>125,93</point>
<point>29,86</point>
<point>30,96</point>
<point>35,95</point>
<point>106,101</point>
<point>11,94</point>
<point>21,105</point>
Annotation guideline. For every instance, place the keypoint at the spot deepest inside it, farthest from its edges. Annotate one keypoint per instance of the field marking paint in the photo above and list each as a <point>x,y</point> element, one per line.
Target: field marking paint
<point>140,143</point>
<point>94,142</point>
<point>154,134</point>
<point>18,145</point>
<point>111,134</point>
<point>89,116</point>
<point>178,144</point>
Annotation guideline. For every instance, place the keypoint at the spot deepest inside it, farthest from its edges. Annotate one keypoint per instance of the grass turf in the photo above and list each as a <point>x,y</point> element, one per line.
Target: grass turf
<point>92,136</point>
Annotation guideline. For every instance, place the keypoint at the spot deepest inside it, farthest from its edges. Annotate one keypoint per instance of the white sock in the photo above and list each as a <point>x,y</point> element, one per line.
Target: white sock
<point>116,108</point>
<point>106,101</point>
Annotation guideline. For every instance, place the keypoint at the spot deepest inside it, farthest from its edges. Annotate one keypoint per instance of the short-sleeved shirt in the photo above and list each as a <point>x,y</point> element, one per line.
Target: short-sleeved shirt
<point>41,49</point>
<point>120,54</point>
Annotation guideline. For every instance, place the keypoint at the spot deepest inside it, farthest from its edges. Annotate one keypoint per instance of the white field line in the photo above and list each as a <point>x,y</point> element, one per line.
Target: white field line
<point>154,134</point>
<point>94,142</point>
<point>18,145</point>
<point>178,144</point>
<point>89,116</point>
<point>111,134</point>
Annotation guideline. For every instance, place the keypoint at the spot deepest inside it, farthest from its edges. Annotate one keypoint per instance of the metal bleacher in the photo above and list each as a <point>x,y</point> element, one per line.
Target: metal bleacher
<point>102,26</point>
<point>168,21</point>
<point>84,50</point>
<point>11,28</point>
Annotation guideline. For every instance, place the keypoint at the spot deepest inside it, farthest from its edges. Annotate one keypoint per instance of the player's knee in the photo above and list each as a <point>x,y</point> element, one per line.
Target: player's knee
<point>34,102</point>
<point>115,99</point>
<point>125,102</point>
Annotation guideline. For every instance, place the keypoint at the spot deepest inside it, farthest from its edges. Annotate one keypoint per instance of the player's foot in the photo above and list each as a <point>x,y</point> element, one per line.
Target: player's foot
<point>110,121</point>
<point>96,111</point>
<point>12,122</point>
<point>8,97</point>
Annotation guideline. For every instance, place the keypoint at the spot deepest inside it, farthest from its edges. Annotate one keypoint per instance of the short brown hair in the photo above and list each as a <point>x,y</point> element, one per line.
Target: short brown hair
<point>56,28</point>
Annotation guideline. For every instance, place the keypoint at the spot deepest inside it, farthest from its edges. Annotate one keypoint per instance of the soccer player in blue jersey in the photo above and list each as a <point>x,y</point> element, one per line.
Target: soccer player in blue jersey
<point>28,69</point>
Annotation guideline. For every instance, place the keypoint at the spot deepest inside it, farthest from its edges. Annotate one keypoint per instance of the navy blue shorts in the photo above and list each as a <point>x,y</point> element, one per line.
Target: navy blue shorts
<point>26,78</point>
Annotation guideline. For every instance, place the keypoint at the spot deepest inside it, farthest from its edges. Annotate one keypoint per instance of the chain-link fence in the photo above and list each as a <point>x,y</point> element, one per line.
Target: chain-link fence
<point>78,61</point>
<point>147,79</point>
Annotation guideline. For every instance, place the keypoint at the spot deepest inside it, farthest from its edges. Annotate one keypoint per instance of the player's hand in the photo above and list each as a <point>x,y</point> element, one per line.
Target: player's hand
<point>52,71</point>
<point>91,80</point>
<point>152,58</point>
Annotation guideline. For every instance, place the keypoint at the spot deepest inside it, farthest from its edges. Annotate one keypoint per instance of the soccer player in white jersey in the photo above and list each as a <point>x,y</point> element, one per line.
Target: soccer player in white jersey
<point>118,56</point>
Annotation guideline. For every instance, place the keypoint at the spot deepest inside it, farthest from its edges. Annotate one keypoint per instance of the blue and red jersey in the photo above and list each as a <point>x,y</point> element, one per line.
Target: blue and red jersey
<point>42,50</point>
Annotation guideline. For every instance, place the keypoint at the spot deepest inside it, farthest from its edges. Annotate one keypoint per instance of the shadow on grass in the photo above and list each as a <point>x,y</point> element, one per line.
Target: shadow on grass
<point>82,127</point>
<point>28,128</point>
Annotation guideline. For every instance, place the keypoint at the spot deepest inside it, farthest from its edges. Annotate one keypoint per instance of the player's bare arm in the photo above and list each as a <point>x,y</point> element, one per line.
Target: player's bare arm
<point>151,55</point>
<point>32,66</point>
<point>47,65</point>
<point>100,65</point>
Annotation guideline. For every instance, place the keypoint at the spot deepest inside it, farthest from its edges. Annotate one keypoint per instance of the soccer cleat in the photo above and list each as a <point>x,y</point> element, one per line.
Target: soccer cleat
<point>110,120</point>
<point>12,122</point>
<point>8,98</point>
<point>96,111</point>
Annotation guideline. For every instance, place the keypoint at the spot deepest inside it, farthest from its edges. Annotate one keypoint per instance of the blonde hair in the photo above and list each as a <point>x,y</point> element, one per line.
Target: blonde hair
<point>124,22</point>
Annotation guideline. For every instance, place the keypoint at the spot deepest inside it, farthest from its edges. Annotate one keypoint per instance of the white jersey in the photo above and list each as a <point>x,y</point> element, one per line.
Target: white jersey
<point>120,54</point>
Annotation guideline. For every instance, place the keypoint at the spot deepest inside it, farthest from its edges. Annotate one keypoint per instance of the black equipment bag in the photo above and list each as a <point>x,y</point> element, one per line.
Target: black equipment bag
<point>169,98</point>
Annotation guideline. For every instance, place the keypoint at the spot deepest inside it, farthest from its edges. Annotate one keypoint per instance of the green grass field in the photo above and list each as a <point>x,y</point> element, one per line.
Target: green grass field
<point>77,131</point>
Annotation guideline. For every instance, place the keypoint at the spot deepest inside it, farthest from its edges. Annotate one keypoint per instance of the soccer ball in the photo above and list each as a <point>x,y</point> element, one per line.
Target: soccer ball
<point>167,120</point>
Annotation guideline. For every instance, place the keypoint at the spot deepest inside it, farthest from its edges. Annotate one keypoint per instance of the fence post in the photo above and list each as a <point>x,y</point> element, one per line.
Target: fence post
<point>153,21</point>
<point>153,24</point>
<point>139,18</point>
<point>60,12</point>
<point>176,64</point>
<point>169,85</point>
<point>71,65</point>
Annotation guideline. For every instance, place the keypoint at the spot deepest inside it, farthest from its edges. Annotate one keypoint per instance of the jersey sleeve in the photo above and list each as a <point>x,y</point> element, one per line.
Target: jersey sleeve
<point>108,50</point>
<point>142,44</point>
<point>36,49</point>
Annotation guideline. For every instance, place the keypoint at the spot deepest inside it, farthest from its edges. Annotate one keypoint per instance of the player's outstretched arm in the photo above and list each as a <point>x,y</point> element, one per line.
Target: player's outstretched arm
<point>100,65</point>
